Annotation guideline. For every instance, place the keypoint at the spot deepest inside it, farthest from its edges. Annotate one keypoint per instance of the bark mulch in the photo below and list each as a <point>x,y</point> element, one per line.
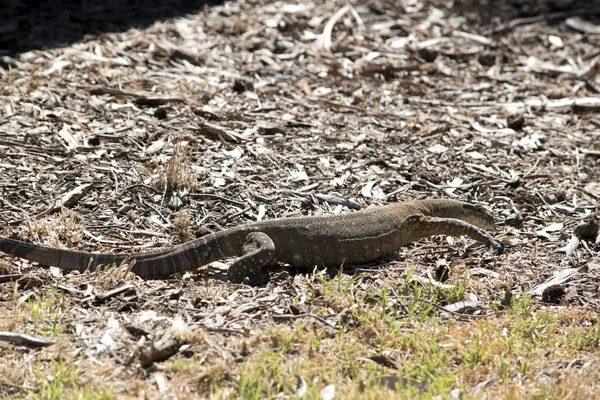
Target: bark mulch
<point>171,128</point>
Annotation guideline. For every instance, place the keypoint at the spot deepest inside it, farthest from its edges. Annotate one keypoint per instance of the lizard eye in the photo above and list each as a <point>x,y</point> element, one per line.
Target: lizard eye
<point>479,212</point>
<point>476,209</point>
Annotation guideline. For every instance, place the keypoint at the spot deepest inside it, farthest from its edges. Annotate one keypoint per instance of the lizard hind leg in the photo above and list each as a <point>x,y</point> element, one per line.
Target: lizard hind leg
<point>258,251</point>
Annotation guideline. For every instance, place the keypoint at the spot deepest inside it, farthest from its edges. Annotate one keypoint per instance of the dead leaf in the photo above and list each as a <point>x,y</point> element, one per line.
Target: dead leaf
<point>559,277</point>
<point>301,386</point>
<point>328,392</point>
<point>437,149</point>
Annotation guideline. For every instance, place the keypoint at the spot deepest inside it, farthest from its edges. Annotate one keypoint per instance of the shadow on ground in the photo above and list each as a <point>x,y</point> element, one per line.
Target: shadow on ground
<point>508,9</point>
<point>27,25</point>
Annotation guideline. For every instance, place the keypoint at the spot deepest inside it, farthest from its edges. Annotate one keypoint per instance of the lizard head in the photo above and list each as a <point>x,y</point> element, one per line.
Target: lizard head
<point>478,215</point>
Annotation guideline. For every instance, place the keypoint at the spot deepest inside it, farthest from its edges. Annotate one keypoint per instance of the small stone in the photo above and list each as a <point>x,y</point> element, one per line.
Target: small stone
<point>553,294</point>
<point>516,122</point>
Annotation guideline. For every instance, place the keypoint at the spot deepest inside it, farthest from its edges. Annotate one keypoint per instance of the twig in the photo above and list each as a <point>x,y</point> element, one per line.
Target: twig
<point>326,198</point>
<point>223,330</point>
<point>10,278</point>
<point>237,214</point>
<point>216,197</point>
<point>127,288</point>
<point>540,18</point>
<point>21,338</point>
<point>442,308</point>
<point>19,387</point>
<point>286,317</point>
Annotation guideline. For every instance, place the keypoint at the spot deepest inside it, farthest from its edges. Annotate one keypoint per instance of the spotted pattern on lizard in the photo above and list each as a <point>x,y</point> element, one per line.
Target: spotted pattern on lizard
<point>303,242</point>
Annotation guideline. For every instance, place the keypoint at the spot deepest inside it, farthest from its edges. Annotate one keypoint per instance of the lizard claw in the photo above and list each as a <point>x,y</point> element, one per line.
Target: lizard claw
<point>496,246</point>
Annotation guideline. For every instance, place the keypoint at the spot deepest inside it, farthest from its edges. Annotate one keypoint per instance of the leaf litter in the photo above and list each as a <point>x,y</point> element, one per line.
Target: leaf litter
<point>249,110</point>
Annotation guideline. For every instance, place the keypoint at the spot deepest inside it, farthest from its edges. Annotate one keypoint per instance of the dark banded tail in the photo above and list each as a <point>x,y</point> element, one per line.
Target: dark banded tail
<point>152,264</point>
<point>70,260</point>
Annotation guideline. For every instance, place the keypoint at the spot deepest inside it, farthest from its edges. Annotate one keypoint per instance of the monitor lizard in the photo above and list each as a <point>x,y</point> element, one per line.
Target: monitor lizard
<point>303,242</point>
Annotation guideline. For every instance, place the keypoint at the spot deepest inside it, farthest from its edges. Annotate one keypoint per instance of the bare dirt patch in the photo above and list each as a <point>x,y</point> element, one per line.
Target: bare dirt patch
<point>139,139</point>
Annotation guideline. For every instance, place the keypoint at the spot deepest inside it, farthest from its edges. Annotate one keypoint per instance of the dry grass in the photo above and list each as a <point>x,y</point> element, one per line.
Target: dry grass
<point>55,230</point>
<point>380,345</point>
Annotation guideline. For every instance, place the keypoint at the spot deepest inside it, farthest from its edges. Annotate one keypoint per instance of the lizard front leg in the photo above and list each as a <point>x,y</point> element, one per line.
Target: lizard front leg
<point>430,226</point>
<point>258,250</point>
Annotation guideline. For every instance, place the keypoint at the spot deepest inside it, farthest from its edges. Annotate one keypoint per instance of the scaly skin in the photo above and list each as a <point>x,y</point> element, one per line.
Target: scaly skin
<point>304,242</point>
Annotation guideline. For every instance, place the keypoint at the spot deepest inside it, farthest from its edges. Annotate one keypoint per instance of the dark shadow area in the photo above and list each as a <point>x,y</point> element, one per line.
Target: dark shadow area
<point>552,11</point>
<point>27,24</point>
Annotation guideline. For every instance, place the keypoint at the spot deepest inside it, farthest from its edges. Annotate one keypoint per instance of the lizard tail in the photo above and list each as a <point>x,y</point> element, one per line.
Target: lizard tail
<point>70,260</point>
<point>153,264</point>
<point>191,255</point>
